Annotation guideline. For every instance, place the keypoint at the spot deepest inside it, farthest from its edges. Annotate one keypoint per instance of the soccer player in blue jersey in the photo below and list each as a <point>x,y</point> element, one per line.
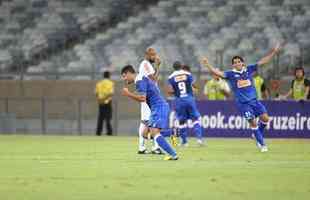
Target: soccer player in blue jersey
<point>180,84</point>
<point>149,92</point>
<point>241,82</point>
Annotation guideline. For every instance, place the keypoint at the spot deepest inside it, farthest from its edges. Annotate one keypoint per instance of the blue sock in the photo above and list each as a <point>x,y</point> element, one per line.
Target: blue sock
<point>259,136</point>
<point>183,135</point>
<point>165,145</point>
<point>166,132</point>
<point>198,130</point>
<point>262,126</point>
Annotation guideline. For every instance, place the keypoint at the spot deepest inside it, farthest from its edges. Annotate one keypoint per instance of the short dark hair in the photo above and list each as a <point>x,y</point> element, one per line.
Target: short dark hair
<point>128,68</point>
<point>236,57</point>
<point>186,68</point>
<point>299,68</point>
<point>177,65</point>
<point>106,74</point>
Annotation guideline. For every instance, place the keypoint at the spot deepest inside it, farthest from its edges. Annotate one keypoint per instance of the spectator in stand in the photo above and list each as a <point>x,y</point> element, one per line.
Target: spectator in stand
<point>300,86</point>
<point>216,89</point>
<point>260,86</point>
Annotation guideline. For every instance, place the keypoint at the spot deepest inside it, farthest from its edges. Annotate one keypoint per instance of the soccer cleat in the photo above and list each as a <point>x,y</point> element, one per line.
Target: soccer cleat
<point>171,158</point>
<point>264,149</point>
<point>143,151</point>
<point>257,143</point>
<point>174,140</point>
<point>157,151</point>
<point>200,142</point>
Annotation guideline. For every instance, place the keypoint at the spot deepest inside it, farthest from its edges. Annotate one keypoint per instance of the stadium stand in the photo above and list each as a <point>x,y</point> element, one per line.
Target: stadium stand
<point>36,29</point>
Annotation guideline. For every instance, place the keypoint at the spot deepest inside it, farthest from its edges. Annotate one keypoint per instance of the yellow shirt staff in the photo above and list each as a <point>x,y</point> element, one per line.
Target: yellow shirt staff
<point>104,91</point>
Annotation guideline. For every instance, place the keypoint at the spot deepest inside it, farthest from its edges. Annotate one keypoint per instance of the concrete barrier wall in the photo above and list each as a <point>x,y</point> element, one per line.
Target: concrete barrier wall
<point>23,99</point>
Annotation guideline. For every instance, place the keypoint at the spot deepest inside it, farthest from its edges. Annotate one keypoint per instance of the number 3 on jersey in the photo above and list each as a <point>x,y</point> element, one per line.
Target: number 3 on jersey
<point>182,87</point>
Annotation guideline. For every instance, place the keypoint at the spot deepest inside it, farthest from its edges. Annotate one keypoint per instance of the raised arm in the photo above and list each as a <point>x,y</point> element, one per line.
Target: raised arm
<point>195,88</point>
<point>205,62</point>
<point>153,72</point>
<point>157,65</point>
<point>225,89</point>
<point>270,55</point>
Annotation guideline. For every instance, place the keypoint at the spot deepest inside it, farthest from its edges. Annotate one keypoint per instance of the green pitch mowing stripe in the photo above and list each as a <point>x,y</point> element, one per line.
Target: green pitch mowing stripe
<point>107,168</point>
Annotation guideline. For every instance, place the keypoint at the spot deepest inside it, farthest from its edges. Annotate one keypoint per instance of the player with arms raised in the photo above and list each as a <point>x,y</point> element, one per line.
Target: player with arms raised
<point>241,82</point>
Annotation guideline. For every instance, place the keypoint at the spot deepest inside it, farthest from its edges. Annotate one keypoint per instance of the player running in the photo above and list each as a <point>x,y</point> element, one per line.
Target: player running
<point>242,85</point>
<point>180,84</point>
<point>149,92</point>
<point>146,69</point>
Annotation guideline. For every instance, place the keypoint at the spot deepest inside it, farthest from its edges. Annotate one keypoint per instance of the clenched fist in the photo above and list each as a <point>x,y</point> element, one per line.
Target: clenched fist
<point>125,91</point>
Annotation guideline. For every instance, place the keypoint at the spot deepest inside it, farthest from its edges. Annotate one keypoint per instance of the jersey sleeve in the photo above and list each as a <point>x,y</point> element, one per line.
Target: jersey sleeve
<point>252,68</point>
<point>146,69</point>
<point>141,87</point>
<point>228,74</point>
<point>307,82</point>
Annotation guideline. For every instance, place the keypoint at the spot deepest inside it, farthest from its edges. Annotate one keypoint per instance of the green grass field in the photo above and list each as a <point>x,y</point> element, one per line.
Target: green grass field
<point>105,168</point>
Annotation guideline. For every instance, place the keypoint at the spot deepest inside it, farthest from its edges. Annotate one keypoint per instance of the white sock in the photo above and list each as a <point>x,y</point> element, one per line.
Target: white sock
<point>155,145</point>
<point>142,127</point>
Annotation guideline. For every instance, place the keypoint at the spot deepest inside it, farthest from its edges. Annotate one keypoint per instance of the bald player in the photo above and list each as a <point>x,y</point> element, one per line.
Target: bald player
<point>146,69</point>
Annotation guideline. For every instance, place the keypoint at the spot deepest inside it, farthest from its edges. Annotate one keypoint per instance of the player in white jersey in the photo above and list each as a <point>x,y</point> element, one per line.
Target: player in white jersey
<point>146,69</point>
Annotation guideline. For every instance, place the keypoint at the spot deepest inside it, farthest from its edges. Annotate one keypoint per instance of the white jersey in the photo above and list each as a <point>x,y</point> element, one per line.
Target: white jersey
<point>145,69</point>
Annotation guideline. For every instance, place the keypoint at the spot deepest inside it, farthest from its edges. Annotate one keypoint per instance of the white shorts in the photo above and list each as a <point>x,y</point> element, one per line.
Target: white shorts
<point>145,112</point>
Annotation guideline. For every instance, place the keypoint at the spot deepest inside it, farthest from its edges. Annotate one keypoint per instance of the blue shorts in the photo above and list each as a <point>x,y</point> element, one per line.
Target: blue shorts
<point>252,109</point>
<point>186,109</point>
<point>160,116</point>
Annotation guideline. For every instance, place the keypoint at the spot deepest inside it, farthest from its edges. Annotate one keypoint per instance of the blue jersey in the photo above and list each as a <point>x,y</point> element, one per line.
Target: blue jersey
<point>185,105</point>
<point>181,82</point>
<point>149,88</point>
<point>241,83</point>
<point>159,107</point>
